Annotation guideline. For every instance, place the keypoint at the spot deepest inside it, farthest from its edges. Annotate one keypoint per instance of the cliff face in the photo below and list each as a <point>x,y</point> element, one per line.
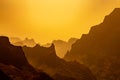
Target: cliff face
<point>100,48</point>
<point>47,60</point>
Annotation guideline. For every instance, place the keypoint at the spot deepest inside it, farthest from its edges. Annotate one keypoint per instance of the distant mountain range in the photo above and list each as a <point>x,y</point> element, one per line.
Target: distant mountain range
<point>61,46</point>
<point>100,48</point>
<point>26,42</point>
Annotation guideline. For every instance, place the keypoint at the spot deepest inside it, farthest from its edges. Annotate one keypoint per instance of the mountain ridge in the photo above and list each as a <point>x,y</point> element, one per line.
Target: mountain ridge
<point>46,59</point>
<point>99,49</point>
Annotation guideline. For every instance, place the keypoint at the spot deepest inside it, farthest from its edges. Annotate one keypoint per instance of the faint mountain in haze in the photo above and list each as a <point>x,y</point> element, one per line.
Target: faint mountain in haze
<point>62,47</point>
<point>14,65</point>
<point>26,42</point>
<point>100,48</point>
<point>47,60</point>
<point>14,39</point>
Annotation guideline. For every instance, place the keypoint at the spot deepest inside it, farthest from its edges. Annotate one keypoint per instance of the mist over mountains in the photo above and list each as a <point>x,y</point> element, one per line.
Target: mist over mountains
<point>61,47</point>
<point>26,42</point>
<point>95,56</point>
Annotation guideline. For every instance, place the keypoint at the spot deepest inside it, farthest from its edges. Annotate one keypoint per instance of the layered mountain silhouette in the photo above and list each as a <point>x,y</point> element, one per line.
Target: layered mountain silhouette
<point>47,60</point>
<point>100,48</point>
<point>14,65</point>
<point>62,47</point>
<point>26,42</point>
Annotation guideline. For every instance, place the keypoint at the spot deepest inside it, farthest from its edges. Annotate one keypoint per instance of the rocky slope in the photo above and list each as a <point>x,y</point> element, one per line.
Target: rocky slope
<point>100,48</point>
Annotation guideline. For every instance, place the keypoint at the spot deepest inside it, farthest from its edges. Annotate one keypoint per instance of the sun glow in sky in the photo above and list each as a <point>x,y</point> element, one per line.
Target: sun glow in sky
<point>47,20</point>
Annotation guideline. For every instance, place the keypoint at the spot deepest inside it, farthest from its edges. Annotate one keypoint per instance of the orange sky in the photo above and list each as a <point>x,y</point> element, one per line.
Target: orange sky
<point>47,20</point>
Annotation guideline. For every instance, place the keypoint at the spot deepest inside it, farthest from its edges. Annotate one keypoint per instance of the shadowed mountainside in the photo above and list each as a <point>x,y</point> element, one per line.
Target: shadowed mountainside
<point>100,48</point>
<point>47,60</point>
<point>12,55</point>
<point>14,65</point>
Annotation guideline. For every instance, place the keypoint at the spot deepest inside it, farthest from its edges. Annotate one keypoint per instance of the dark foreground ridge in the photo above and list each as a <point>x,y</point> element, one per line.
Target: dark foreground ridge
<point>14,65</point>
<point>100,48</point>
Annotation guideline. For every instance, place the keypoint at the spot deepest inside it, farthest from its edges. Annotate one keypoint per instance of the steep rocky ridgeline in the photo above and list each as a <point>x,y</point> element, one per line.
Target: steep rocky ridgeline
<point>100,48</point>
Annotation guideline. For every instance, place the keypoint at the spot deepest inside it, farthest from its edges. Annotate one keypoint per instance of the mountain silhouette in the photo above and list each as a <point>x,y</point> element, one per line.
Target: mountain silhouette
<point>14,65</point>
<point>100,48</point>
<point>12,55</point>
<point>61,46</point>
<point>47,60</point>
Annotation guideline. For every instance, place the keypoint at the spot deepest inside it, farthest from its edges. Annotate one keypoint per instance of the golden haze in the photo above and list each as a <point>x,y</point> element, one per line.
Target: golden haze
<point>47,20</point>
